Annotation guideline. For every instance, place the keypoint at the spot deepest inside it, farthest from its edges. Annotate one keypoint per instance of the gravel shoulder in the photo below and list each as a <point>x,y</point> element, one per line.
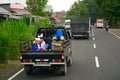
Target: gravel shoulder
<point>8,69</point>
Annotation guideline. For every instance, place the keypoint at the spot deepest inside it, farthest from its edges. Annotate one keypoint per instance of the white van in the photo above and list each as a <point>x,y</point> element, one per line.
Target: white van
<point>67,26</point>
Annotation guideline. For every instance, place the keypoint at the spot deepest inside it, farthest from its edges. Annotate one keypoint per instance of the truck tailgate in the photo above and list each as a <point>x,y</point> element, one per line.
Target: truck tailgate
<point>43,56</point>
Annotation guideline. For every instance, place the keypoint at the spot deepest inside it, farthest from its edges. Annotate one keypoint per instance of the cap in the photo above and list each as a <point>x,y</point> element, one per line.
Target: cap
<point>37,38</point>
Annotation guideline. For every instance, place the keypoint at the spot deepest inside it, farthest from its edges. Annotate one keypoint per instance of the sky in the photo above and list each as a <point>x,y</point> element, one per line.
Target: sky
<point>57,5</point>
<point>60,5</point>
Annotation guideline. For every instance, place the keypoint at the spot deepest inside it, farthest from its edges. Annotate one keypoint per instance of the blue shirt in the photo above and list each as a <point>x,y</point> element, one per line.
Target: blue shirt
<point>39,46</point>
<point>36,47</point>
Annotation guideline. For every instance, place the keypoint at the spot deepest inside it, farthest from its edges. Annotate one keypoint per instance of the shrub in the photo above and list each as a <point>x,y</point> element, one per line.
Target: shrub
<point>14,31</point>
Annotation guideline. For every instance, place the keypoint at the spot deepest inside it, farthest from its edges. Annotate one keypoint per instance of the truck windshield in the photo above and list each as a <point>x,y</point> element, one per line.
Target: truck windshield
<point>100,22</point>
<point>67,23</point>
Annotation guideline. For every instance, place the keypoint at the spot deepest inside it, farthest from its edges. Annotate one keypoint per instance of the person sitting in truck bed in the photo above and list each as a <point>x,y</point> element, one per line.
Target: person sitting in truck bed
<point>59,35</point>
<point>57,40</point>
<point>36,44</point>
<point>39,44</point>
<point>43,45</point>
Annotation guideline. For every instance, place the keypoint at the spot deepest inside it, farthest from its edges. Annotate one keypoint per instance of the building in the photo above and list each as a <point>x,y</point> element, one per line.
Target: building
<point>60,16</point>
<point>12,10</point>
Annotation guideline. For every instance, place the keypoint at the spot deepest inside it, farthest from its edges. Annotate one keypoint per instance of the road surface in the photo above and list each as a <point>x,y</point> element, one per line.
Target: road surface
<point>95,59</point>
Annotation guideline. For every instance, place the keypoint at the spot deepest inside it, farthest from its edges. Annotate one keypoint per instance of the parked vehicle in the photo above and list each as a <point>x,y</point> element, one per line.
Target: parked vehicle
<point>56,60</point>
<point>80,27</point>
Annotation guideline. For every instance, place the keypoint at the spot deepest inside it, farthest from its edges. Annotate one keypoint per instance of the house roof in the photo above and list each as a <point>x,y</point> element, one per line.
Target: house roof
<point>20,11</point>
<point>60,14</point>
<point>3,11</point>
<point>16,6</point>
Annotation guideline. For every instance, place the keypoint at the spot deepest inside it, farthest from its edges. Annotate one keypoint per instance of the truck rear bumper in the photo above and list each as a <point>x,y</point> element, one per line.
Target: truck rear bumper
<point>78,35</point>
<point>40,65</point>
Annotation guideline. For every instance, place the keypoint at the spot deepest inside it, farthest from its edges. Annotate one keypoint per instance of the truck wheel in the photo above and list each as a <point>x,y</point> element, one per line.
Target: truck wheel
<point>64,69</point>
<point>87,37</point>
<point>28,70</point>
<point>69,63</point>
<point>72,38</point>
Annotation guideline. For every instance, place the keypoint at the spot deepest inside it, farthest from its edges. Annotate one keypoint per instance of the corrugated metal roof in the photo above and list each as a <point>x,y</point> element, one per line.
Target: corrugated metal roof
<point>16,6</point>
<point>3,11</point>
<point>20,11</point>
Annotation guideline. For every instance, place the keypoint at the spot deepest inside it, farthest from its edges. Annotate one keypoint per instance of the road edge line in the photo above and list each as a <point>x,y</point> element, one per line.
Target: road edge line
<point>16,74</point>
<point>115,34</point>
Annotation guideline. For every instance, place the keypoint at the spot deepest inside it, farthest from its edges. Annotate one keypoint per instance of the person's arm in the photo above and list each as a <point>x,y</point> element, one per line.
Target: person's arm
<point>44,46</point>
<point>34,46</point>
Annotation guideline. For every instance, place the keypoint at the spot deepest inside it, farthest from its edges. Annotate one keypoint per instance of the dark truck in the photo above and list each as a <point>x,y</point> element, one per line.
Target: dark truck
<point>80,27</point>
<point>56,60</point>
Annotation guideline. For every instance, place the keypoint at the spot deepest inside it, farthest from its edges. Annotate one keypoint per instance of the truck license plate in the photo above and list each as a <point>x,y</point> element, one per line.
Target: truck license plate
<point>41,62</point>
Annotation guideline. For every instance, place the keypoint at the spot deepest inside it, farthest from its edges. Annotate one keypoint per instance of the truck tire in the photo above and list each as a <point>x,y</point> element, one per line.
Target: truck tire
<point>87,37</point>
<point>72,37</point>
<point>69,63</point>
<point>63,69</point>
<point>28,69</point>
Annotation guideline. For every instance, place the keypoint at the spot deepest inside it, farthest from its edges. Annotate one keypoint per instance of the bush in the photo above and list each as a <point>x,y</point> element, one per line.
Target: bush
<point>14,31</point>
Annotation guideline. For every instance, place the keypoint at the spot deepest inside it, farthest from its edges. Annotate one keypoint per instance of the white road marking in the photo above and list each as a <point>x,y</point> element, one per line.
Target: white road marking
<point>16,74</point>
<point>94,45</point>
<point>94,38</point>
<point>93,34</point>
<point>97,62</point>
<point>115,34</point>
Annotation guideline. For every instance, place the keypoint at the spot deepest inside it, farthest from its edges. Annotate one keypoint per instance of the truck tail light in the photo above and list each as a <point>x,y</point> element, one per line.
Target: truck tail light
<point>57,60</point>
<point>41,60</point>
<point>20,55</point>
<point>62,55</point>
<point>26,60</point>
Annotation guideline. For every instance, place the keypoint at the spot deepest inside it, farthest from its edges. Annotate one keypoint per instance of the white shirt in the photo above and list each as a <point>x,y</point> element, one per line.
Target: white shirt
<point>43,45</point>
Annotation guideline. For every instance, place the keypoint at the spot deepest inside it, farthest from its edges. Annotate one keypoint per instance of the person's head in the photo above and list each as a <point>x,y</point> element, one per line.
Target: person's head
<point>41,39</point>
<point>59,33</point>
<point>37,40</point>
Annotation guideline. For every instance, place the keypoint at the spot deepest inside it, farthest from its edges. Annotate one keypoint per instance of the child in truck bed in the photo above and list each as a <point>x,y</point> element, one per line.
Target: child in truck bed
<point>39,44</point>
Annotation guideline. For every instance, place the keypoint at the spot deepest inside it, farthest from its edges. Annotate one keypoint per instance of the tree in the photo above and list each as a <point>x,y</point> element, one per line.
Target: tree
<point>37,7</point>
<point>110,10</point>
<point>78,9</point>
<point>93,9</point>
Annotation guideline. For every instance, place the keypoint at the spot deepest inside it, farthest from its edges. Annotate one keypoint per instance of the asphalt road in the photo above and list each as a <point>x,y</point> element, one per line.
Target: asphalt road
<point>95,59</point>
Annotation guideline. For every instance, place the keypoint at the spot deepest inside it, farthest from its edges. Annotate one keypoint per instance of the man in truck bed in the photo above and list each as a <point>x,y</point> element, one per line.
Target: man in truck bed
<point>57,40</point>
